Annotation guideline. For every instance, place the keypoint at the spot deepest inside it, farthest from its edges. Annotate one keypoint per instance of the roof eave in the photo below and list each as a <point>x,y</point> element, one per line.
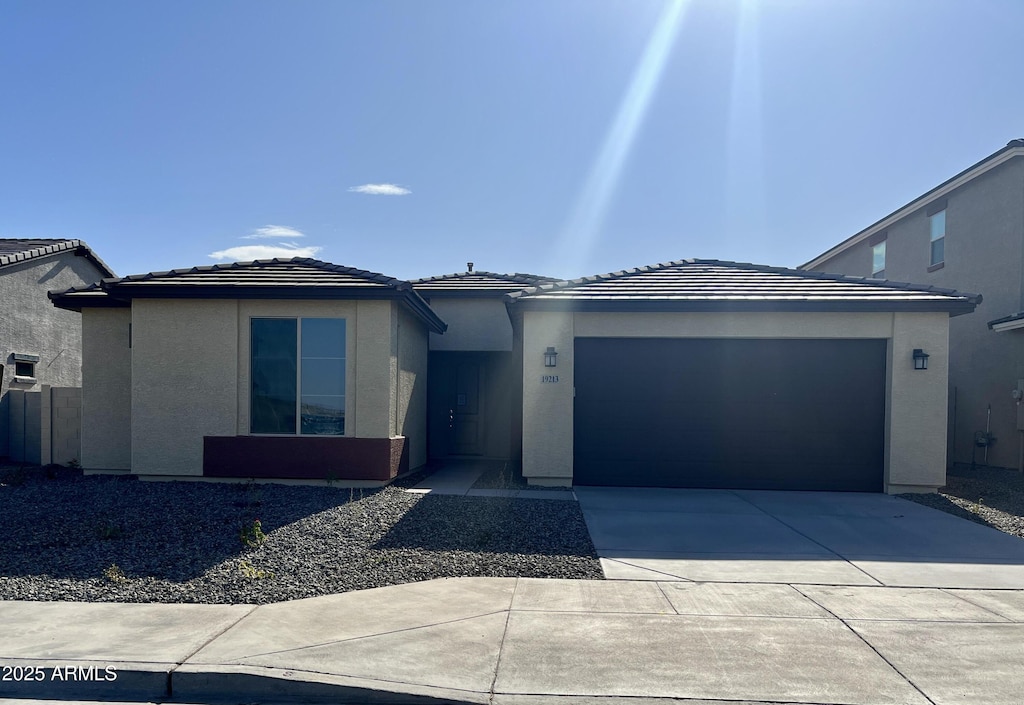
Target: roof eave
<point>76,247</point>
<point>955,307</point>
<point>990,162</point>
<point>465,293</point>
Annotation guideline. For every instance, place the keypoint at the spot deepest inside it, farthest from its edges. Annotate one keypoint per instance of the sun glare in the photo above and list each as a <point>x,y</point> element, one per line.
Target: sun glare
<point>580,233</point>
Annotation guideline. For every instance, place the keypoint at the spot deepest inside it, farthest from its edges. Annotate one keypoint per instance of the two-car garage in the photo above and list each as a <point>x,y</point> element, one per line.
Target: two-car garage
<point>730,413</point>
<point>711,374</point>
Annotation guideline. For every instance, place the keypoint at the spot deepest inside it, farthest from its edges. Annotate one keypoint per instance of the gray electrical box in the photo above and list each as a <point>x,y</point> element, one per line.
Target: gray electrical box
<point>1019,396</point>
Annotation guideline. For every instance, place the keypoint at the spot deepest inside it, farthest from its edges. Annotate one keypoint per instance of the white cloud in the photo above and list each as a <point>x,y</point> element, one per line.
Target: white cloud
<point>380,190</point>
<point>246,253</point>
<point>273,231</point>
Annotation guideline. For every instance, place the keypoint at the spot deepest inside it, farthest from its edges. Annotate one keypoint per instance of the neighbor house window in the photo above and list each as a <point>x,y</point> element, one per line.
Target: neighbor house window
<point>25,365</point>
<point>878,260</point>
<point>298,376</point>
<point>938,237</point>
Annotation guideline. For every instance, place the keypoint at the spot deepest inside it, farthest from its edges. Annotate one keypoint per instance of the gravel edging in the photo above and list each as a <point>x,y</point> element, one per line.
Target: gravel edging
<point>180,541</point>
<point>990,496</point>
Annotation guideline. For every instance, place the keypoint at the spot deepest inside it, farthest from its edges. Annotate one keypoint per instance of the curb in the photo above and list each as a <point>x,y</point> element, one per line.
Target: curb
<point>248,683</point>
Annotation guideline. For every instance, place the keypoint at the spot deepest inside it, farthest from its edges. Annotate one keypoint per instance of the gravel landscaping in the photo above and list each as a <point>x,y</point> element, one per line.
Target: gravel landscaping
<point>990,496</point>
<point>106,538</point>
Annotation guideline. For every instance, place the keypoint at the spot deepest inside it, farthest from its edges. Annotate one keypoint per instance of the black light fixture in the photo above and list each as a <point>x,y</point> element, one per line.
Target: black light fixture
<point>920,359</point>
<point>550,357</point>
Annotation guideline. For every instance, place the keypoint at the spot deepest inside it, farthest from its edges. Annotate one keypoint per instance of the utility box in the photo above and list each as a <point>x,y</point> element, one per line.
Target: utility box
<point>1019,396</point>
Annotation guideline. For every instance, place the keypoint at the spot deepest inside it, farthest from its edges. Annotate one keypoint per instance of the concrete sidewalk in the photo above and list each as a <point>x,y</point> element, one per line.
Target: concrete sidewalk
<point>513,641</point>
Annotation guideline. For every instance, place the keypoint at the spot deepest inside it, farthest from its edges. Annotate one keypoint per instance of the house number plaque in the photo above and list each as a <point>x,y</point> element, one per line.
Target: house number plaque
<point>549,379</point>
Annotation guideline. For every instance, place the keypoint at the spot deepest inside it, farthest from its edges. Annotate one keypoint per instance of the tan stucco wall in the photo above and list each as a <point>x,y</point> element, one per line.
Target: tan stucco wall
<point>184,381</point>
<point>412,386</point>
<point>106,389</point>
<point>376,356</point>
<point>915,402</point>
<point>473,325</point>
<point>187,375</point>
<point>547,408</point>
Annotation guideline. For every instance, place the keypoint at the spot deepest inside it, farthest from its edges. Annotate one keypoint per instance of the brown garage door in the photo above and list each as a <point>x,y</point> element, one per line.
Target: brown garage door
<point>735,413</point>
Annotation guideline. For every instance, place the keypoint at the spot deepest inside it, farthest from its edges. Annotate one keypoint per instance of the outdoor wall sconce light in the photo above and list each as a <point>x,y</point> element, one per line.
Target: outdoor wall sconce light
<point>920,359</point>
<point>549,357</point>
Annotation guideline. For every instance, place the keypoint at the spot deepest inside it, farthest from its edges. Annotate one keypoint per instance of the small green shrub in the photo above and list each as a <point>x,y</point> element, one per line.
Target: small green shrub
<point>252,534</point>
<point>252,572</point>
<point>114,574</point>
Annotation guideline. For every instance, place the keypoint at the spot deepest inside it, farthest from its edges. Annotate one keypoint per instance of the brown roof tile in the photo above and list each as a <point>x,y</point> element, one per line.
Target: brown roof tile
<point>298,277</point>
<point>477,283</point>
<point>719,285</point>
<point>15,250</point>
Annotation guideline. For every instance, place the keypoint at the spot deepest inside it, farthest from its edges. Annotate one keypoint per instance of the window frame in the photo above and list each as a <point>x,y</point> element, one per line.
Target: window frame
<point>933,218</point>
<point>297,433</point>
<point>19,367</point>
<point>878,273</point>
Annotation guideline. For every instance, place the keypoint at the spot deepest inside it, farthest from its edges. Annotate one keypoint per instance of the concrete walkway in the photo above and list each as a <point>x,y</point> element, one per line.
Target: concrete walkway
<point>457,477</point>
<point>515,641</point>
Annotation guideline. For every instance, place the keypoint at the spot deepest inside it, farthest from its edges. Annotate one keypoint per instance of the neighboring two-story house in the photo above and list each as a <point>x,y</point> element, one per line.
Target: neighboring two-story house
<point>39,345</point>
<point>967,234</point>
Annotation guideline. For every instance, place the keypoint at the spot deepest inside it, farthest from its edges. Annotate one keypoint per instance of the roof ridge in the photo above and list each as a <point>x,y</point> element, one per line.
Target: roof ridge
<point>52,246</point>
<point>258,263</point>
<point>786,271</point>
<point>516,277</point>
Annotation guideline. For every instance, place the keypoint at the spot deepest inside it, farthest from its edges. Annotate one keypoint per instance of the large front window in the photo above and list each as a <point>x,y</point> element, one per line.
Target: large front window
<point>298,376</point>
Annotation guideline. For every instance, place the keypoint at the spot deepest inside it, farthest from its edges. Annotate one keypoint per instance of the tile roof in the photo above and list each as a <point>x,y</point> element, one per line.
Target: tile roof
<point>295,278</point>
<point>286,273</point>
<point>478,283</point>
<point>15,250</point>
<point>702,284</point>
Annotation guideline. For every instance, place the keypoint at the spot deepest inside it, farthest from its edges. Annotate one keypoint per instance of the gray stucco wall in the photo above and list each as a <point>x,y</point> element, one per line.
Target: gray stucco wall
<point>106,389</point>
<point>474,324</point>
<point>30,324</point>
<point>984,254</point>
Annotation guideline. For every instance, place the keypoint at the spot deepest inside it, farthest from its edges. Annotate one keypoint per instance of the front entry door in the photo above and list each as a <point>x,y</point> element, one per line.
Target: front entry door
<point>465,409</point>
<point>455,398</point>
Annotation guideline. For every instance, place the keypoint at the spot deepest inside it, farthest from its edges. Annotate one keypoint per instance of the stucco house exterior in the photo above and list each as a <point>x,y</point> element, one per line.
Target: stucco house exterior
<point>967,233</point>
<point>475,388</point>
<point>695,373</point>
<point>702,373</point>
<point>288,369</point>
<point>40,346</point>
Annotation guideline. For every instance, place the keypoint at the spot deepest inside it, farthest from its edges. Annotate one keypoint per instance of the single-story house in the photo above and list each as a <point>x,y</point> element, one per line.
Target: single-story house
<point>694,373</point>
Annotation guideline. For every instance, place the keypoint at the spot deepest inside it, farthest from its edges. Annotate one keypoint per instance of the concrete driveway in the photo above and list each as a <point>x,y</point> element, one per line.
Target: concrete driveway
<point>810,538</point>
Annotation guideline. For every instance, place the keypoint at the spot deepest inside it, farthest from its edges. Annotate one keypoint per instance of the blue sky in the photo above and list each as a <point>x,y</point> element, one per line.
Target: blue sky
<point>559,137</point>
